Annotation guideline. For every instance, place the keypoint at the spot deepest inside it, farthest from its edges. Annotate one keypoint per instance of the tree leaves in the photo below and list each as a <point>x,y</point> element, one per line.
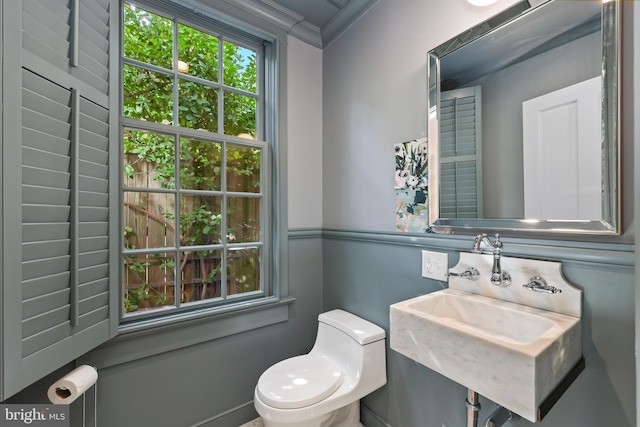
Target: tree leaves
<point>212,86</point>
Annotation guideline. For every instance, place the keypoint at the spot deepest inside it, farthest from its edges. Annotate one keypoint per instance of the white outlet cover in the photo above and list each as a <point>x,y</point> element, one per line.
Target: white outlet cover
<point>435,265</point>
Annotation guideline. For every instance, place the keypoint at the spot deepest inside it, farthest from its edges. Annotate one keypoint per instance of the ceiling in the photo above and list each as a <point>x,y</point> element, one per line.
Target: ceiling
<point>317,22</point>
<point>538,29</point>
<point>315,12</point>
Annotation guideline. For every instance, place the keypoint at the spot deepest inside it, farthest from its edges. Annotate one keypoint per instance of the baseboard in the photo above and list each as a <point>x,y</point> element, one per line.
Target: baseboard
<point>244,413</point>
<point>232,418</point>
<point>370,419</point>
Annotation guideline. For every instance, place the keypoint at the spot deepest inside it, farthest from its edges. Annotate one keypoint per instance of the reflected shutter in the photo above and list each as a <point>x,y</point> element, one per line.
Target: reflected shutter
<point>460,153</point>
<point>59,241</point>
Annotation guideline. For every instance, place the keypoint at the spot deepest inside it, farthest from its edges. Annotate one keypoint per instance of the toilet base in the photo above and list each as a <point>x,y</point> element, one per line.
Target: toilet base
<point>347,416</point>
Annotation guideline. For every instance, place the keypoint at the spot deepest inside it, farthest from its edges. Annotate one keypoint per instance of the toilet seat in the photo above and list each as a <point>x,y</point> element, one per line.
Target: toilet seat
<point>298,382</point>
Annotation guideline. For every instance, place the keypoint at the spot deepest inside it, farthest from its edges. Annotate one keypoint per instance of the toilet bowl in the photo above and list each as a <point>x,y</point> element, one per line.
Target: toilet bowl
<point>324,388</point>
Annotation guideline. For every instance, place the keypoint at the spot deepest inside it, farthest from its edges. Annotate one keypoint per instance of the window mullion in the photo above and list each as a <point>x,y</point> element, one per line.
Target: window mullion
<point>260,91</point>
<point>265,218</point>
<point>221,130</point>
<point>177,276</point>
<point>240,92</point>
<point>177,272</point>
<point>223,225</point>
<point>174,64</point>
<point>144,65</point>
<point>221,113</point>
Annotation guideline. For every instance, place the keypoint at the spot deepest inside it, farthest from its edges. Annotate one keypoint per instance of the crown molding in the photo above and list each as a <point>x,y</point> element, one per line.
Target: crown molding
<point>281,17</point>
<point>295,24</point>
<point>344,18</point>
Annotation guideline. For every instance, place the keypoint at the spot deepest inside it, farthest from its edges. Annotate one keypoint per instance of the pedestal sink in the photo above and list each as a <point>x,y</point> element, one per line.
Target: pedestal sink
<point>510,345</point>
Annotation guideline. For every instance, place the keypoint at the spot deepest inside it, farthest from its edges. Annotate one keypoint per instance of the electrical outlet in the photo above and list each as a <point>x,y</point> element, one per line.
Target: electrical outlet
<point>435,265</point>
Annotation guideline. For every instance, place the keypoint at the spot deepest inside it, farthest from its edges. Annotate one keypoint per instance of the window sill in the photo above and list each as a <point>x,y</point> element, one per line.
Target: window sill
<point>145,339</point>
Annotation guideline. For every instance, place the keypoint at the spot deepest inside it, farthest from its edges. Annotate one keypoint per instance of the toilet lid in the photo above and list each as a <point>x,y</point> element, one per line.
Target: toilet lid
<point>298,382</point>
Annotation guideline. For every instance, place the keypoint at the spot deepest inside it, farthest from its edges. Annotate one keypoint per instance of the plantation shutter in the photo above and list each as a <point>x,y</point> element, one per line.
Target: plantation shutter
<point>461,153</point>
<point>59,254</point>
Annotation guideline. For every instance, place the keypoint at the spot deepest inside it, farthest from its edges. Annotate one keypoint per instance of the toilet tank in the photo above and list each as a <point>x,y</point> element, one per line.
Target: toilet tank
<point>362,331</point>
<point>355,344</point>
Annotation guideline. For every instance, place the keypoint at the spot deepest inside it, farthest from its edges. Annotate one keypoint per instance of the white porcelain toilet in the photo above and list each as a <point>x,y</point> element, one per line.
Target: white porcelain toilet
<point>324,388</point>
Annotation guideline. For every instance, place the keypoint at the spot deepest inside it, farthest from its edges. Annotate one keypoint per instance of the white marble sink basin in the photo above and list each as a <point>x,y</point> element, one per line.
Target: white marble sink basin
<point>483,316</point>
<point>513,354</point>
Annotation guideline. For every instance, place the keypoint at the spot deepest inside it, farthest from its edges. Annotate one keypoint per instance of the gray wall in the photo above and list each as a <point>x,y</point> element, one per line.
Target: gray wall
<point>366,272</point>
<point>201,382</point>
<point>503,93</point>
<point>209,384</point>
<point>377,97</point>
<point>636,105</point>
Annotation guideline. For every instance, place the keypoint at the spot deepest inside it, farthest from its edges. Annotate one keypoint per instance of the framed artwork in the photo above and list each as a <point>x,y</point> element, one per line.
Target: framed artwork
<point>411,186</point>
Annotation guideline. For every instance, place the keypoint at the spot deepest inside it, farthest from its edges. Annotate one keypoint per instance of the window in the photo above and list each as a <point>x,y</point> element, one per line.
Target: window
<point>195,164</point>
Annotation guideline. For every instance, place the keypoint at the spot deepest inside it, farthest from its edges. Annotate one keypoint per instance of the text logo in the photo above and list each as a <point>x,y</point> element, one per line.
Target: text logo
<point>34,415</point>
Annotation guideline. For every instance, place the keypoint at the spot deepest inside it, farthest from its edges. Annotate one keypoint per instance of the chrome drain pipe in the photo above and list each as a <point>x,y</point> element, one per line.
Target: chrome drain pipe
<point>473,408</point>
<point>500,416</point>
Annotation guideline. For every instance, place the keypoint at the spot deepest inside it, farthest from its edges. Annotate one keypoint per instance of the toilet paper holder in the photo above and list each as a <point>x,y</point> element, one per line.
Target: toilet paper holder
<point>73,385</point>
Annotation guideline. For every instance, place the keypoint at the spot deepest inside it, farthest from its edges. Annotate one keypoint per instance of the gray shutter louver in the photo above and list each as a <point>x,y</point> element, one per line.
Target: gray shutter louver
<point>458,198</point>
<point>51,35</point>
<point>460,154</point>
<point>66,300</point>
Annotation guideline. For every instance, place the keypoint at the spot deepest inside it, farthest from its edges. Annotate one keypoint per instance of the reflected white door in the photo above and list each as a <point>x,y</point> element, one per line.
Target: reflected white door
<point>562,153</point>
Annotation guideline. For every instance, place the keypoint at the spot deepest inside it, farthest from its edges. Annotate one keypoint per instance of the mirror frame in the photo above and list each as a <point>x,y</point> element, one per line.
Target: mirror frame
<point>610,222</point>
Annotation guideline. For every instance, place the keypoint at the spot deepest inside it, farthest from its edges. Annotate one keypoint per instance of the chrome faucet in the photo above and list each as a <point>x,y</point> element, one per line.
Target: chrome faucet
<point>498,277</point>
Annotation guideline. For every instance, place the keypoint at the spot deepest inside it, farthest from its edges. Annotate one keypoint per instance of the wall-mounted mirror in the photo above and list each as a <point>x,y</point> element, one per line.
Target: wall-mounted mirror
<point>523,121</point>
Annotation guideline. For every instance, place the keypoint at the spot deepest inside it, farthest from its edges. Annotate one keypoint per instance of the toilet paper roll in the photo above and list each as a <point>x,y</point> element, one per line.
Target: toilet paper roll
<point>73,385</point>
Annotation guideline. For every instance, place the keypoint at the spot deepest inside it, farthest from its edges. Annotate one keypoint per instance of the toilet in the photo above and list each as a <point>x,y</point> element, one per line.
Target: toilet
<point>324,388</point>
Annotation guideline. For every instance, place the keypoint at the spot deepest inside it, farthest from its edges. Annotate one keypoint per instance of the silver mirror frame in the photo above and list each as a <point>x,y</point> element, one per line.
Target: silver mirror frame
<point>611,211</point>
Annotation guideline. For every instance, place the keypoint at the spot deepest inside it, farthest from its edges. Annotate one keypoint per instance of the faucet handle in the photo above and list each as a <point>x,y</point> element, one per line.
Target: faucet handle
<point>497,244</point>
<point>470,273</point>
<point>538,284</point>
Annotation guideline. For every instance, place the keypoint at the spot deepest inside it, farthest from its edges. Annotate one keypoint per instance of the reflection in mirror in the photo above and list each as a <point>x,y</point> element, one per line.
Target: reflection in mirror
<point>523,129</point>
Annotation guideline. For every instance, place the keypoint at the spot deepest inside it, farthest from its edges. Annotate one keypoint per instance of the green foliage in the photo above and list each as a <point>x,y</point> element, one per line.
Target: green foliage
<point>155,150</point>
<point>148,95</point>
<point>147,37</point>
<point>142,295</point>
<point>239,67</point>
<point>224,70</point>
<point>200,226</point>
<point>201,165</point>
<point>199,51</point>
<point>198,106</point>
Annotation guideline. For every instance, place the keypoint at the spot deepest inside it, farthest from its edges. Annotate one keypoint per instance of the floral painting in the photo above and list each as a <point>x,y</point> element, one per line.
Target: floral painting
<point>411,186</point>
